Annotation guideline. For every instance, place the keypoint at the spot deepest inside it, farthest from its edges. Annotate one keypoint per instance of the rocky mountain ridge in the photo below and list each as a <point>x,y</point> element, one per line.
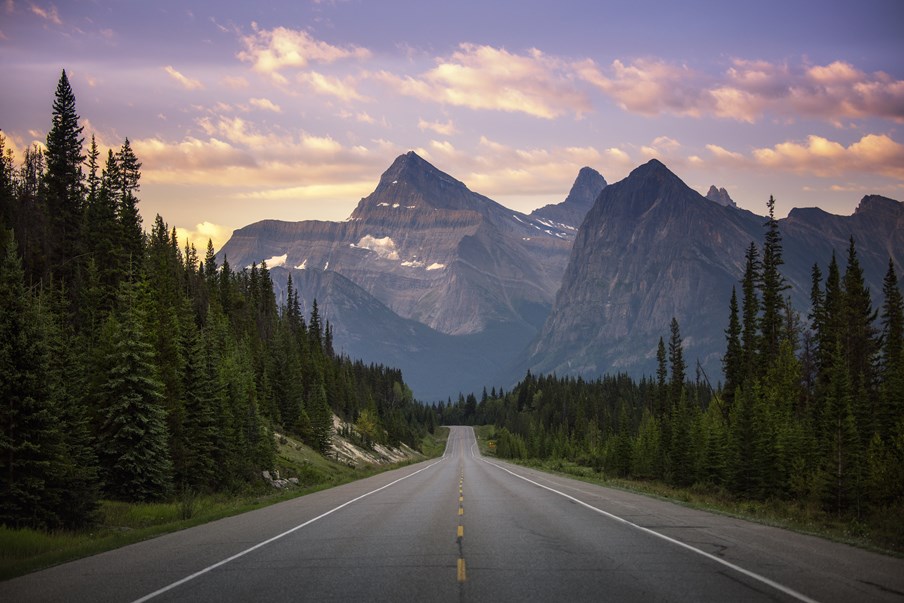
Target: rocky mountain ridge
<point>461,293</point>
<point>652,249</point>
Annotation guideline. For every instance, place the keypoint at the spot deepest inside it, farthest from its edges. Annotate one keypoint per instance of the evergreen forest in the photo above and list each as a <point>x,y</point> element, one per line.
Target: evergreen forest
<point>132,368</point>
<point>811,410</point>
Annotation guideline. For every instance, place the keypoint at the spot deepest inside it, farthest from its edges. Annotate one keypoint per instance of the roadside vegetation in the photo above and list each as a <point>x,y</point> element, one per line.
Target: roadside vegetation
<point>25,550</point>
<point>882,534</point>
<point>807,429</point>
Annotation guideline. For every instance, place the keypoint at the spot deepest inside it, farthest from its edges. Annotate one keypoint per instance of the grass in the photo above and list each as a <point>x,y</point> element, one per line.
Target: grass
<point>882,532</point>
<point>25,550</point>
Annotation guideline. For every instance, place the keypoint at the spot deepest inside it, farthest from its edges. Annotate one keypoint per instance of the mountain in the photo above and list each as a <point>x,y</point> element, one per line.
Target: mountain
<point>720,196</point>
<point>421,257</point>
<point>652,248</point>
<point>571,212</point>
<point>461,293</point>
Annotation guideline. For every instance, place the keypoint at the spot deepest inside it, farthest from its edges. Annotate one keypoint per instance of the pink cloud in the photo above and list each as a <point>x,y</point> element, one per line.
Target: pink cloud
<point>484,77</point>
<point>270,51</point>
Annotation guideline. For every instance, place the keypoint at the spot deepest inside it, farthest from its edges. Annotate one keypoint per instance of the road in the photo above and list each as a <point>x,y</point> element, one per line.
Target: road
<point>467,528</point>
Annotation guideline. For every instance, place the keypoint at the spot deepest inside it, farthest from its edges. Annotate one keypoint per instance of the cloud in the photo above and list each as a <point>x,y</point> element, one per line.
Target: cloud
<point>186,82</point>
<point>235,82</point>
<point>342,88</point>
<point>266,105</point>
<point>832,92</point>
<point>484,77</point>
<point>877,154</point>
<point>748,90</point>
<point>48,14</point>
<point>647,86</point>
<point>270,51</point>
<point>444,129</point>
<point>724,154</point>
<point>201,233</point>
<point>500,170</point>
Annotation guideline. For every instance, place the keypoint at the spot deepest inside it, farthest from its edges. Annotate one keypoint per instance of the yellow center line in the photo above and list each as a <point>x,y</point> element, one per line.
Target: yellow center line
<point>462,575</point>
<point>461,531</point>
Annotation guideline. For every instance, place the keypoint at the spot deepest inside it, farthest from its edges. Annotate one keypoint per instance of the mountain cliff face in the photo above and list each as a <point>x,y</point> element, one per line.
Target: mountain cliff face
<point>571,212</point>
<point>427,256</point>
<point>461,293</point>
<point>651,248</point>
<point>428,248</point>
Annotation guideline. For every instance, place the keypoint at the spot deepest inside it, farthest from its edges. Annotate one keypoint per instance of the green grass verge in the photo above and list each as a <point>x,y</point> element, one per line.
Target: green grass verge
<point>882,532</point>
<point>24,550</point>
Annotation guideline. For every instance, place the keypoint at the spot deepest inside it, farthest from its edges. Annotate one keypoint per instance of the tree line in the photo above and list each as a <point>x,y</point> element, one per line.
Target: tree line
<point>811,408</point>
<point>132,368</point>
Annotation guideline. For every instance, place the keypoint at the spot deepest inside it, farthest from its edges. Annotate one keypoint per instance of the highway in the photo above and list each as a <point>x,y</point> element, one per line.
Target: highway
<point>468,528</point>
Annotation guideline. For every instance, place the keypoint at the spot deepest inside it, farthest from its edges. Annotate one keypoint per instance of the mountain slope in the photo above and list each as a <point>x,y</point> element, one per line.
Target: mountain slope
<point>425,275</point>
<point>651,248</point>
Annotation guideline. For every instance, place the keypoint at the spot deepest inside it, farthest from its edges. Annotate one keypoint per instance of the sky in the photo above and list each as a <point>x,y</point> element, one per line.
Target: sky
<point>292,109</point>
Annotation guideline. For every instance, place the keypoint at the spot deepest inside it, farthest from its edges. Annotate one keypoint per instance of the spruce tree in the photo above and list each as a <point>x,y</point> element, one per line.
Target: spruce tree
<point>321,418</point>
<point>750,313</point>
<point>199,424</point>
<point>132,437</point>
<point>76,480</point>
<point>892,354</point>
<point>677,363</point>
<point>860,344</point>
<point>127,186</point>
<point>771,285</point>
<point>733,361</point>
<point>30,436</point>
<point>63,192</point>
<point>662,396</point>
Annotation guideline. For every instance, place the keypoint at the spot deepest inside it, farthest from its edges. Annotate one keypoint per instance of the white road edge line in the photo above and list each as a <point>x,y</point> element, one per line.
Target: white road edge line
<point>779,587</point>
<point>170,587</point>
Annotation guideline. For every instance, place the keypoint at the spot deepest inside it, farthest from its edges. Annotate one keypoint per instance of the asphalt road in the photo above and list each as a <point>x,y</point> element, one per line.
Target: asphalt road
<point>465,528</point>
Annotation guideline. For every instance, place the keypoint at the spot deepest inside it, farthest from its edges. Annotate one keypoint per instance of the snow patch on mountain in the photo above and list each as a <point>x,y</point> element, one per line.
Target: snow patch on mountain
<point>277,260</point>
<point>384,247</point>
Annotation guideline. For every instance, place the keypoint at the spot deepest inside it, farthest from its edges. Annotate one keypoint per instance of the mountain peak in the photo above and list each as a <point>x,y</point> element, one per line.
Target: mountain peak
<point>878,203</point>
<point>586,188</point>
<point>411,164</point>
<point>720,196</point>
<point>654,174</point>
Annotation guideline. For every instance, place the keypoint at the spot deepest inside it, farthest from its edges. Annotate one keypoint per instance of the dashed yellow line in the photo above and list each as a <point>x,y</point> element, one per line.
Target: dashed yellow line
<point>462,574</point>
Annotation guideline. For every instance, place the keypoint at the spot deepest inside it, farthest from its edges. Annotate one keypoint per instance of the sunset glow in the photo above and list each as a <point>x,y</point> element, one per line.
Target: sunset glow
<point>292,110</point>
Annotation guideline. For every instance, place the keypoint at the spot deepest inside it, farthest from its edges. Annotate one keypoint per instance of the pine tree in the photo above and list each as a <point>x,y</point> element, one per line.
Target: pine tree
<point>860,344</point>
<point>8,202</point>
<point>771,285</point>
<point>63,192</point>
<point>841,442</point>
<point>892,354</point>
<point>30,437</point>
<point>662,397</point>
<point>733,361</point>
<point>132,439</point>
<point>321,418</point>
<point>76,479</point>
<point>677,363</point>
<point>129,173</point>
<point>199,424</point>
<point>750,313</point>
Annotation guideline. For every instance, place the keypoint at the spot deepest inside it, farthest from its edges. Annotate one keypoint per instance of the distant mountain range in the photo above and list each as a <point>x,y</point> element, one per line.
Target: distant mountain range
<point>461,293</point>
